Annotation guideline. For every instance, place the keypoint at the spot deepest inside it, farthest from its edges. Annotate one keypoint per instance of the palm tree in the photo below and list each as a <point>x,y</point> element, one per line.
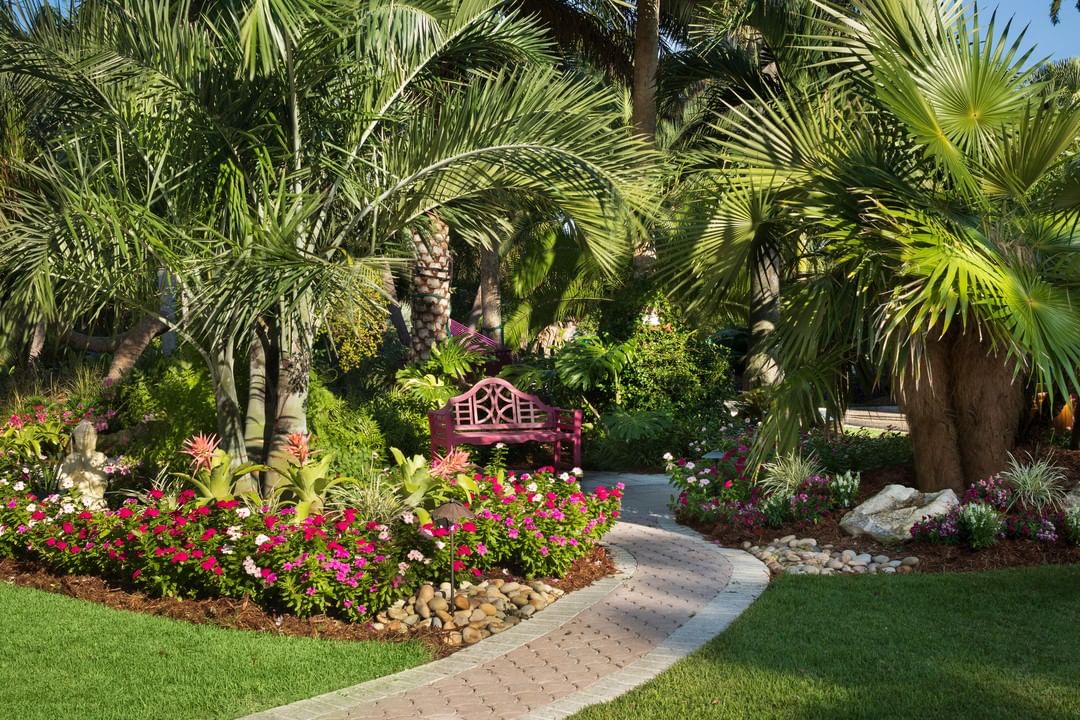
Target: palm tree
<point>271,157</point>
<point>936,232</point>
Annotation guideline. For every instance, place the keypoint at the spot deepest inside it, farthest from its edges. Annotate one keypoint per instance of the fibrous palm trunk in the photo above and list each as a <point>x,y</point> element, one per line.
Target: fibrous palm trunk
<point>963,403</point>
<point>431,289</point>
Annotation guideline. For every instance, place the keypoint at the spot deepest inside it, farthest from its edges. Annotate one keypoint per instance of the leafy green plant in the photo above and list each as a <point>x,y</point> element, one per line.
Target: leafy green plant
<point>844,488</point>
<point>859,450</point>
<point>346,430</point>
<point>638,425</point>
<point>1037,485</point>
<point>783,476</point>
<point>306,481</point>
<point>1072,524</point>
<point>588,363</point>
<point>981,524</point>
<point>429,389</point>
<point>402,419</point>
<point>454,359</point>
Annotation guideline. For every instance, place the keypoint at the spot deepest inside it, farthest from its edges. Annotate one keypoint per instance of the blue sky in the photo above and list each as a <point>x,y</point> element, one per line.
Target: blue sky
<point>1059,41</point>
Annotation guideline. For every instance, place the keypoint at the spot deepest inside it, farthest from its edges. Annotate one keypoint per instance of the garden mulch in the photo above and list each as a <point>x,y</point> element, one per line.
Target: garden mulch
<point>932,557</point>
<point>245,615</point>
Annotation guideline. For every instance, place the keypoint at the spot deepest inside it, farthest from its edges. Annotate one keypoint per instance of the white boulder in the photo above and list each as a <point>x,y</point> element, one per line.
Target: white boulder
<point>890,515</point>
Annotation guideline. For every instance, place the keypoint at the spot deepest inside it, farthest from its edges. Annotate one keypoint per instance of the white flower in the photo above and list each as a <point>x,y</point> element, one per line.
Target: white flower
<point>668,457</point>
<point>402,567</point>
<point>531,487</point>
<point>226,549</point>
<point>565,477</point>
<point>260,539</point>
<point>500,446</point>
<point>234,532</point>
<point>87,501</point>
<point>408,518</point>
<point>67,508</point>
<point>439,544</point>
<point>577,471</point>
<point>692,480</point>
<point>66,483</point>
<point>25,470</point>
<point>19,486</point>
<point>243,512</point>
<point>704,482</point>
<point>31,507</point>
<point>690,466</point>
<point>251,568</point>
<point>384,535</point>
<point>536,497</point>
<point>415,555</point>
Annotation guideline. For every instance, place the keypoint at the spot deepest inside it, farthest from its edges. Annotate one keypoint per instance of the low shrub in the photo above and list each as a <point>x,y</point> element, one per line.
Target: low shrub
<point>858,451</point>
<point>1071,520</point>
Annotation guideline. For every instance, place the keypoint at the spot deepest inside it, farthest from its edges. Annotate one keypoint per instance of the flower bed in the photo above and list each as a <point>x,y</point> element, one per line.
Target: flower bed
<point>333,562</point>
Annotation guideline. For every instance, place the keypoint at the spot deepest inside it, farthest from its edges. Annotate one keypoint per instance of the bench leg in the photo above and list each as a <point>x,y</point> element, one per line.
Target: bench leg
<point>577,451</point>
<point>557,458</point>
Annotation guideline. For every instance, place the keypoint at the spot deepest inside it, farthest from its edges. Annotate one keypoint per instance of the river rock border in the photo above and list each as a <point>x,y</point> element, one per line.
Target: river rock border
<point>551,618</point>
<point>803,556</point>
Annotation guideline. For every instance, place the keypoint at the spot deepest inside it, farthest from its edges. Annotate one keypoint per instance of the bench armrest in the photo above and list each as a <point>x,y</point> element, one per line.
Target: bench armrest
<point>440,420</point>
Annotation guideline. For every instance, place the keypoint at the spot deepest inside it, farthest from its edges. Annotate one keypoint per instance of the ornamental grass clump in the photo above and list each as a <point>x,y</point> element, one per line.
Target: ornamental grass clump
<point>784,475</point>
<point>1037,485</point>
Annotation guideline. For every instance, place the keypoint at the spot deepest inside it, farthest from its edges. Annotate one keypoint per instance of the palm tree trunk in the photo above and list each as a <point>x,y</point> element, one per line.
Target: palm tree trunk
<point>646,59</point>
<point>229,420</point>
<point>397,320</point>
<point>258,386</point>
<point>431,289</point>
<point>37,342</point>
<point>925,396</point>
<point>989,403</point>
<point>761,367</point>
<point>491,300</point>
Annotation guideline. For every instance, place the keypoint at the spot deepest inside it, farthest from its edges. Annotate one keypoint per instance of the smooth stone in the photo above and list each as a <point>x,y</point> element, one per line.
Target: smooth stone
<point>860,560</point>
<point>423,610</point>
<point>811,569</point>
<point>848,555</point>
<point>461,618</point>
<point>910,561</point>
<point>477,615</point>
<point>510,588</point>
<point>453,638</point>
<point>904,569</point>
<point>396,613</point>
<point>488,608</point>
<point>527,611</point>
<point>446,617</point>
<point>411,620</point>
<point>378,626</point>
<point>461,602</point>
<point>438,603</point>
<point>836,565</point>
<point>786,539</point>
<point>425,594</point>
<point>893,563</point>
<point>888,570</point>
<point>881,559</point>
<point>436,623</point>
<point>746,545</point>
<point>806,543</point>
<point>471,635</point>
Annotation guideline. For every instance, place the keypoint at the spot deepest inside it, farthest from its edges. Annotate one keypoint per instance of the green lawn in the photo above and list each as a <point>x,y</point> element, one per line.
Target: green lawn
<point>65,658</point>
<point>982,645</point>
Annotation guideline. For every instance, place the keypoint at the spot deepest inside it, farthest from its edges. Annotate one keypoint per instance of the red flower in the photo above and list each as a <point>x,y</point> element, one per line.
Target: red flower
<point>124,513</point>
<point>459,565</point>
<point>179,558</point>
<point>209,533</point>
<point>299,447</point>
<point>464,551</point>
<point>208,563</point>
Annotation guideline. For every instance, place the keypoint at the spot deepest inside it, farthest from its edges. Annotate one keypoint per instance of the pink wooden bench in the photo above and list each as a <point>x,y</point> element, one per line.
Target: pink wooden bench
<point>495,411</point>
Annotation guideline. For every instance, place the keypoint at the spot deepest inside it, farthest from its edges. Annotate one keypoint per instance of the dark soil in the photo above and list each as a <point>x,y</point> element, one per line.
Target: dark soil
<point>245,615</point>
<point>932,557</point>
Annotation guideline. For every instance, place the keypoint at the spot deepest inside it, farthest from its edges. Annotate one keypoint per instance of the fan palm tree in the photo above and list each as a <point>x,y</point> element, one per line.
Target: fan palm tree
<point>937,235</point>
<point>271,156</point>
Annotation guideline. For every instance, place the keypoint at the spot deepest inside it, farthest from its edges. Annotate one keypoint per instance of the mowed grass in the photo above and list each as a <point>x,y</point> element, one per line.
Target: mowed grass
<point>66,658</point>
<point>989,645</point>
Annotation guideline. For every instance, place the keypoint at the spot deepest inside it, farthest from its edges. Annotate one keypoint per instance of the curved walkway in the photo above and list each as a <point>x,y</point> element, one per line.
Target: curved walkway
<point>673,592</point>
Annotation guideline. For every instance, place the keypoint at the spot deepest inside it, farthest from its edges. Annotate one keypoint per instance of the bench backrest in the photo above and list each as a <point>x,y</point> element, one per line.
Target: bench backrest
<point>495,404</point>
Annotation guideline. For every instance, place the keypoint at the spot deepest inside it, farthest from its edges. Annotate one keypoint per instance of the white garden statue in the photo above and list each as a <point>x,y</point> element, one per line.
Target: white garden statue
<point>83,469</point>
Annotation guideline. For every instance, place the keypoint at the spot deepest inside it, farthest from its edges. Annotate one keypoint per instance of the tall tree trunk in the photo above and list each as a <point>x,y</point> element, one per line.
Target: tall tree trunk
<point>646,58</point>
<point>294,370</point>
<point>964,412</point>
<point>230,421</point>
<point>258,395</point>
<point>925,396</point>
<point>989,403</point>
<point>397,320</point>
<point>431,289</point>
<point>37,342</point>
<point>761,367</point>
<point>476,312</point>
<point>491,299</point>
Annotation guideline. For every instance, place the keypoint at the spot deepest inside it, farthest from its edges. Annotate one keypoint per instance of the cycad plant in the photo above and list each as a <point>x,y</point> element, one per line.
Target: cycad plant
<point>923,183</point>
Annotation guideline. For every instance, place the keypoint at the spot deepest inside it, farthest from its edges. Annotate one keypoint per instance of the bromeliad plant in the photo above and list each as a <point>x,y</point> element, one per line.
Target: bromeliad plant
<point>213,473</point>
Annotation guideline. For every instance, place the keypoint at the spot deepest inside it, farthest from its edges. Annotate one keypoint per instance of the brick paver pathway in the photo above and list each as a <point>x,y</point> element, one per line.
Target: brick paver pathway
<point>680,594</point>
